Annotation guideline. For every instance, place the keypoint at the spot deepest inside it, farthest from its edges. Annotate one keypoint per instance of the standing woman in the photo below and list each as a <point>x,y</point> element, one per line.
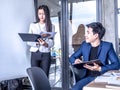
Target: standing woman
<point>40,51</point>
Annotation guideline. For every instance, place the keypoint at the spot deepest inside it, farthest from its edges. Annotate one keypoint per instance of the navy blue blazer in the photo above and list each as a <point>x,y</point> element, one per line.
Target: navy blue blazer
<point>106,54</point>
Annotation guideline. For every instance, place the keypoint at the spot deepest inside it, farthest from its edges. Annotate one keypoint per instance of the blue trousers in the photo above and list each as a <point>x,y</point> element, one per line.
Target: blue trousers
<point>80,84</point>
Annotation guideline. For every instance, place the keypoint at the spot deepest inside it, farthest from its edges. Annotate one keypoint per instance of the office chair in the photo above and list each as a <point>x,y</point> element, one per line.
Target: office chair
<point>75,74</point>
<point>38,79</point>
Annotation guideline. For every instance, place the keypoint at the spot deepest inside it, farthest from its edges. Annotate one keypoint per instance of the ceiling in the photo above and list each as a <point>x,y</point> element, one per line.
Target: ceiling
<point>55,5</point>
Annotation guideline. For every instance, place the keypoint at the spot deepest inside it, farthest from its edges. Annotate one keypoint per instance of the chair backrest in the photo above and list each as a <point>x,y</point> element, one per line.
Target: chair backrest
<point>77,74</point>
<point>38,79</point>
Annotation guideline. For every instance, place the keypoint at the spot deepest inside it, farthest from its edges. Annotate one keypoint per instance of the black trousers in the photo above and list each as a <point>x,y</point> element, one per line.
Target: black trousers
<point>42,60</point>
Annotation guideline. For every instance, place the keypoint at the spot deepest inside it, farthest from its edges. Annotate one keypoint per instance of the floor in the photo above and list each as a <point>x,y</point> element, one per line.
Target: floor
<point>55,74</point>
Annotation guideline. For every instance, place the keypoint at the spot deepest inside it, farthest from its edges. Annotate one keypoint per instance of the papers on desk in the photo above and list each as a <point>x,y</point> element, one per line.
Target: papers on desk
<point>109,77</point>
<point>104,78</point>
<point>112,79</point>
<point>114,82</point>
<point>113,86</point>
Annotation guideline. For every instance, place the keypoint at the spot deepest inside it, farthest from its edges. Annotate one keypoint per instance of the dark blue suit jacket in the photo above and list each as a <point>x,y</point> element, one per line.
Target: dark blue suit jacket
<point>105,53</point>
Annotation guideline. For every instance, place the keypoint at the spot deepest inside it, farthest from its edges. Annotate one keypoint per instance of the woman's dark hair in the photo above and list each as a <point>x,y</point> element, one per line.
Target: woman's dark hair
<point>97,28</point>
<point>47,17</point>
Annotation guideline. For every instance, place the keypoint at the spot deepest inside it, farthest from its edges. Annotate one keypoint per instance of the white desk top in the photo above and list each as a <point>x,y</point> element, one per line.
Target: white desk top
<point>103,85</point>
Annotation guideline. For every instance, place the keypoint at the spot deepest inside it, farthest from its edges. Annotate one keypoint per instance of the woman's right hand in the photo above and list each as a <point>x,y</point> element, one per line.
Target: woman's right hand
<point>42,42</point>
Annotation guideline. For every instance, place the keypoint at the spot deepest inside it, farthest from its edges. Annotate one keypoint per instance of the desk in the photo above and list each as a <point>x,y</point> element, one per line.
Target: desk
<point>100,85</point>
<point>97,86</point>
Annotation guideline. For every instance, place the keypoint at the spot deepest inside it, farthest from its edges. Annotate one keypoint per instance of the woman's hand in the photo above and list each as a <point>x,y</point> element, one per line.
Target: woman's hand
<point>42,42</point>
<point>95,67</point>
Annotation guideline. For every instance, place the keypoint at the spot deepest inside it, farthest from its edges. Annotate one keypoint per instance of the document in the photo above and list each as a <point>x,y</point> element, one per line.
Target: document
<point>111,77</point>
<point>114,81</point>
<point>33,37</point>
<point>80,65</point>
<point>48,34</point>
<point>113,86</point>
<point>103,78</point>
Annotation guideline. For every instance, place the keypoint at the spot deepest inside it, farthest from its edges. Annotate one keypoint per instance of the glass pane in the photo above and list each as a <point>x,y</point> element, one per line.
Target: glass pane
<point>82,14</point>
<point>119,25</point>
<point>55,69</point>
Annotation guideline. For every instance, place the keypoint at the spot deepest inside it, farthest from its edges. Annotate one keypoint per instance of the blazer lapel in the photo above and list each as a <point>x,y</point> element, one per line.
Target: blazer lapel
<point>88,52</point>
<point>99,50</point>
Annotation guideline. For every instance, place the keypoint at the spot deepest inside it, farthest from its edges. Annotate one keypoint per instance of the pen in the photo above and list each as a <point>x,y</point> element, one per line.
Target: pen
<point>113,73</point>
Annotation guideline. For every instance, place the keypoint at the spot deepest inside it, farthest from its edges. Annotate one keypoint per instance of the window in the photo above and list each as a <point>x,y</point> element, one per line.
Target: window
<point>119,26</point>
<point>83,13</point>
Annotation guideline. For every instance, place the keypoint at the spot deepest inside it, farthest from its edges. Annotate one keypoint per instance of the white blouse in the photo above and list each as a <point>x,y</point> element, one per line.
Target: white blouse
<point>37,28</point>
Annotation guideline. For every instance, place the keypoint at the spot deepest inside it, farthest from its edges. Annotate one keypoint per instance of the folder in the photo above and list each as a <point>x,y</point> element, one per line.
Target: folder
<point>33,37</point>
<point>29,37</point>
<point>80,65</point>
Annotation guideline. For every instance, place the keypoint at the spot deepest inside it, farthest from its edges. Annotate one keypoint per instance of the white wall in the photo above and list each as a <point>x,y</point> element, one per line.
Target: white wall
<point>15,17</point>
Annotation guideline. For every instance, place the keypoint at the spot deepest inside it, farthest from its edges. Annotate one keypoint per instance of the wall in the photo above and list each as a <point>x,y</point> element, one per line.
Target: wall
<point>109,21</point>
<point>15,17</point>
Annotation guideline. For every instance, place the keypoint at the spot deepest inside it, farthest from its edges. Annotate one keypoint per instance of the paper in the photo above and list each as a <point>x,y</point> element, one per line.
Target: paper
<point>116,87</point>
<point>104,78</point>
<point>114,82</point>
<point>48,34</point>
<point>110,78</point>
